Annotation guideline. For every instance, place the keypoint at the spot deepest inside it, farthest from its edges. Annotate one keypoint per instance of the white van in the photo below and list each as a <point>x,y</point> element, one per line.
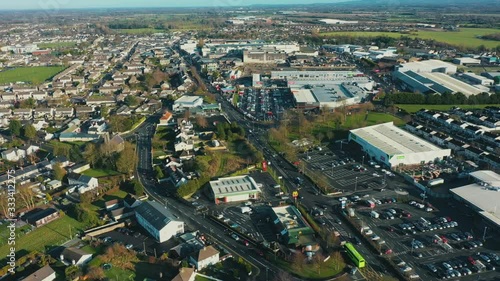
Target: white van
<point>374,214</point>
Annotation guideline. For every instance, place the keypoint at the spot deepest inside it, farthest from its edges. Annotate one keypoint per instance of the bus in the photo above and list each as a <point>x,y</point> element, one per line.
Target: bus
<point>353,254</point>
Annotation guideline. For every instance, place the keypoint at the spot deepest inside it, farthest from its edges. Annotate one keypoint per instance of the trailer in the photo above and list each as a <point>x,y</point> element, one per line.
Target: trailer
<point>435,182</point>
<point>245,210</point>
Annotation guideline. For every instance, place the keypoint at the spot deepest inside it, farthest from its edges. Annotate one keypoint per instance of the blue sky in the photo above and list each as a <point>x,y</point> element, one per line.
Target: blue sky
<point>70,4</point>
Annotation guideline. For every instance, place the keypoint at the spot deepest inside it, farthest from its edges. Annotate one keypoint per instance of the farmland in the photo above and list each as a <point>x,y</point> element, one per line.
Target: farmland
<point>33,75</point>
<point>466,37</point>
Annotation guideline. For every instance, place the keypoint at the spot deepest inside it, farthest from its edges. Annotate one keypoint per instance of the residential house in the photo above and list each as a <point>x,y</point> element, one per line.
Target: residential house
<point>83,183</point>
<point>39,95</point>
<point>117,143</point>
<point>64,112</point>
<point>75,256</point>
<point>185,274</point>
<point>23,113</point>
<point>165,120</point>
<point>84,111</point>
<point>53,184</point>
<point>176,176</point>
<point>131,201</point>
<point>158,221</point>
<point>105,100</point>
<point>13,154</point>
<point>45,273</point>
<point>45,113</point>
<point>112,204</point>
<point>9,97</point>
<point>30,149</point>
<point>124,110</point>
<point>121,213</point>
<point>5,113</point>
<point>39,217</point>
<point>97,127</point>
<point>204,257</point>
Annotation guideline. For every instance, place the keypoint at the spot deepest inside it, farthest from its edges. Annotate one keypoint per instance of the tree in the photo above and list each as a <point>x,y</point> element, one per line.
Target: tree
<point>283,276</point>
<point>59,171</point>
<point>338,260</point>
<point>131,100</point>
<point>318,261</point>
<point>96,273</point>
<point>201,121</point>
<point>90,154</point>
<point>298,260</point>
<point>159,172</point>
<point>104,111</point>
<point>72,272</point>
<point>15,127</point>
<point>127,159</point>
<point>27,196</point>
<point>29,132</point>
<point>138,188</point>
<point>120,257</point>
<point>48,197</point>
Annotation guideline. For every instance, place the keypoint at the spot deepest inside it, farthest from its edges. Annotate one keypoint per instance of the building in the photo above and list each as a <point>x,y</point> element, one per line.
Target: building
<point>428,66</point>
<point>477,79</point>
<point>393,146</point>
<point>466,61</point>
<point>41,217</point>
<point>185,274</point>
<point>85,183</point>
<point>165,120</point>
<point>290,224</point>
<point>158,221</point>
<point>331,97</point>
<point>45,273</point>
<point>13,154</point>
<point>482,195</point>
<point>264,56</point>
<point>234,189</point>
<point>75,256</point>
<point>185,102</point>
<point>204,257</point>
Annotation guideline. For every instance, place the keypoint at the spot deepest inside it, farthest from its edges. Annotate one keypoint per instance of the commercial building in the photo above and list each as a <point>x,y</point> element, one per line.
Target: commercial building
<point>264,56</point>
<point>158,221</point>
<point>477,79</point>
<point>393,146</point>
<point>428,66</point>
<point>483,195</point>
<point>290,224</point>
<point>467,61</point>
<point>187,102</point>
<point>234,189</point>
<point>332,97</point>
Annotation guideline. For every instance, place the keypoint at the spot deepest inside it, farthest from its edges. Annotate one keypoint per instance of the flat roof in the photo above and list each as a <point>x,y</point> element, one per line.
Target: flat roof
<point>290,217</point>
<point>487,176</point>
<point>190,99</point>
<point>483,198</point>
<point>393,140</point>
<point>233,186</point>
<point>451,83</point>
<point>304,96</point>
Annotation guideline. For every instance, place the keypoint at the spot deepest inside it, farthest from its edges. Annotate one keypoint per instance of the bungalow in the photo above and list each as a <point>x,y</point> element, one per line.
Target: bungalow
<point>45,273</point>
<point>82,111</point>
<point>182,145</point>
<point>109,89</point>
<point>44,113</point>
<point>39,217</point>
<point>204,257</point>
<point>75,256</point>
<point>9,97</point>
<point>107,100</point>
<point>124,110</point>
<point>185,274</point>
<point>39,95</point>
<point>5,113</point>
<point>24,113</point>
<point>53,184</point>
<point>30,149</point>
<point>85,183</point>
<point>64,112</point>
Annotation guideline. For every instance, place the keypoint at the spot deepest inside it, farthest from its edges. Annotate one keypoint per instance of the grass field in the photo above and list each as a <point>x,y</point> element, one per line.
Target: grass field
<point>412,108</point>
<point>34,75</point>
<point>45,237</point>
<point>139,31</point>
<point>57,45</point>
<point>100,173</point>
<point>310,270</point>
<point>466,36</point>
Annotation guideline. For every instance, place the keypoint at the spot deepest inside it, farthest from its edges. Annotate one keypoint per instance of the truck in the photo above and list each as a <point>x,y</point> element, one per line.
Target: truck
<point>374,214</point>
<point>370,203</point>
<point>245,209</point>
<point>434,182</point>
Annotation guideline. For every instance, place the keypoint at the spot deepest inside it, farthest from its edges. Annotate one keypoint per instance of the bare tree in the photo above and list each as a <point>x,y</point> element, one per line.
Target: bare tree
<point>318,261</point>
<point>298,260</point>
<point>338,259</point>
<point>26,194</point>
<point>201,121</point>
<point>283,276</point>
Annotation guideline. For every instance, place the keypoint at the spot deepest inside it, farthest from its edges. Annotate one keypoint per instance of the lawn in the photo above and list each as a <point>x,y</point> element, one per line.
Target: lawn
<point>34,75</point>
<point>57,45</point>
<point>412,108</point>
<point>309,270</point>
<point>465,36</point>
<point>119,194</point>
<point>97,173</point>
<point>361,120</point>
<point>46,237</point>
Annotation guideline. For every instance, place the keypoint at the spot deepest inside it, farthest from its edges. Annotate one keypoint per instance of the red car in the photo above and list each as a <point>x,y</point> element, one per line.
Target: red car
<point>471,260</point>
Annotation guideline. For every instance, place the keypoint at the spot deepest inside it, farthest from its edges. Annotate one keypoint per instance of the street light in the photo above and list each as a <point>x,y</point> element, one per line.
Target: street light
<point>363,161</point>
<point>356,185</point>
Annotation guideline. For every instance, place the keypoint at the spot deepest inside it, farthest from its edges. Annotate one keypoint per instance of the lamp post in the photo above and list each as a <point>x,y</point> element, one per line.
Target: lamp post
<point>356,184</point>
<point>363,161</point>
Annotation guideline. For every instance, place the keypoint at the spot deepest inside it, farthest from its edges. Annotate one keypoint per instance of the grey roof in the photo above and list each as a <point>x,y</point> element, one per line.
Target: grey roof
<point>40,274</point>
<point>156,214</point>
<point>75,254</point>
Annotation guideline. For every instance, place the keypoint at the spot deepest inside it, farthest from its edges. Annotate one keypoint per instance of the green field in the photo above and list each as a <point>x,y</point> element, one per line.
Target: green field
<point>139,31</point>
<point>34,75</point>
<point>57,45</point>
<point>97,173</point>
<point>412,108</point>
<point>466,37</point>
<point>47,236</point>
<point>361,120</point>
<point>310,271</point>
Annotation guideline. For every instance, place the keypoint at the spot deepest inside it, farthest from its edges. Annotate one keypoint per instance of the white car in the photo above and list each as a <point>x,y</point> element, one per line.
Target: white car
<point>376,175</point>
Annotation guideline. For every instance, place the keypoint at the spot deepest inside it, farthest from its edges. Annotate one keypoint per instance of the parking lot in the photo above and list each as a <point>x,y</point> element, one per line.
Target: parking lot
<point>265,104</point>
<point>134,239</point>
<point>428,242</point>
<point>345,174</point>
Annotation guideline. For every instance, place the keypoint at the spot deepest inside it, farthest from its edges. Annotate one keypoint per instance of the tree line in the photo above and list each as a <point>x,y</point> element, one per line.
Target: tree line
<point>446,98</point>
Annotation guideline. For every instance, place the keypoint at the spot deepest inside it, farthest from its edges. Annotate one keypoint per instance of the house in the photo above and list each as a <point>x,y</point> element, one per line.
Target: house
<point>117,143</point>
<point>176,176</point>
<point>64,112</point>
<point>45,273</point>
<point>182,145</point>
<point>30,149</point>
<point>204,257</point>
<point>44,113</point>
<point>121,212</point>
<point>185,274</point>
<point>187,102</point>
<point>13,154</point>
<point>75,256</point>
<point>158,221</point>
<point>165,119</point>
<point>86,183</point>
<point>53,184</point>
<point>112,204</point>
<point>39,217</point>
<point>24,113</point>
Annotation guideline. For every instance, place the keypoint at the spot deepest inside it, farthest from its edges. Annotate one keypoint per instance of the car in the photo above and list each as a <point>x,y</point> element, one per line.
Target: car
<point>375,237</point>
<point>417,254</point>
<point>390,229</point>
<point>478,243</point>
<point>489,266</point>
<point>129,246</point>
<point>321,221</point>
<point>392,211</point>
<point>471,260</point>
<point>338,221</point>
<point>493,256</point>
<point>376,175</point>
<point>455,237</point>
<point>447,266</point>
<point>107,239</point>
<point>235,237</point>
<point>432,267</point>
<point>466,271</point>
<point>485,258</point>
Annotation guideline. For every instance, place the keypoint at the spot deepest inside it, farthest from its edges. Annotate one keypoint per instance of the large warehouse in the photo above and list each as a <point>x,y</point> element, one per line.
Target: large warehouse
<point>483,195</point>
<point>393,146</point>
<point>234,189</point>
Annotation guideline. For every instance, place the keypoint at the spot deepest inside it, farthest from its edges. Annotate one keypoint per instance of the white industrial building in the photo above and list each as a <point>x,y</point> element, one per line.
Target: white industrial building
<point>158,221</point>
<point>332,96</point>
<point>483,195</point>
<point>187,102</point>
<point>477,79</point>
<point>428,66</point>
<point>234,189</point>
<point>394,146</point>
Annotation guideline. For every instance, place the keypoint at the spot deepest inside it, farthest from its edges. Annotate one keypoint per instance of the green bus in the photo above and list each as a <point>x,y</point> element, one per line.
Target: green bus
<point>353,254</point>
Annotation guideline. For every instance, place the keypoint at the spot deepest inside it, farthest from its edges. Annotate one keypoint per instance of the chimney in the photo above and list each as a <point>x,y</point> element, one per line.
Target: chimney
<point>61,257</point>
<point>73,262</point>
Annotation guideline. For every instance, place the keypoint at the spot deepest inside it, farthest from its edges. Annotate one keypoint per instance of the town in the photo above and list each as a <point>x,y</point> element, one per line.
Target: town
<point>330,142</point>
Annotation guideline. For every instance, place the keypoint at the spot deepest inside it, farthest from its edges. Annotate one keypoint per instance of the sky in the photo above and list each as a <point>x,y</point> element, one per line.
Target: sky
<point>72,4</point>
